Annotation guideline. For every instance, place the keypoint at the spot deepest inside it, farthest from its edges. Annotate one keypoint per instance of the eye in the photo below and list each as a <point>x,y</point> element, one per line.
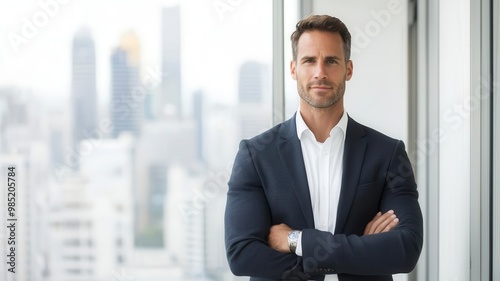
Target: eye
<point>332,61</point>
<point>308,61</point>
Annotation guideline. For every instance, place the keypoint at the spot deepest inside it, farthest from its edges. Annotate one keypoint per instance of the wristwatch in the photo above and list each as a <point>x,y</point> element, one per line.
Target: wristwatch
<point>293,239</point>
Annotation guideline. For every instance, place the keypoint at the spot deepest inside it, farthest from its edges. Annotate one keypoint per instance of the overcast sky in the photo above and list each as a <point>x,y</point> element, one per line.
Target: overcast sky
<point>214,42</point>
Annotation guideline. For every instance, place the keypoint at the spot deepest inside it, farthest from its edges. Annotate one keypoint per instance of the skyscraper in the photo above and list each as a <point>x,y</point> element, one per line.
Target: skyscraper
<point>25,147</point>
<point>126,106</point>
<point>198,114</point>
<point>150,210</point>
<point>163,143</point>
<point>171,100</point>
<point>83,97</point>
<point>254,113</point>
<point>251,83</point>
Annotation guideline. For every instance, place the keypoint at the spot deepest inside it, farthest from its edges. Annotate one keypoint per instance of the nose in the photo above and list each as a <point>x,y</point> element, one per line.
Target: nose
<point>320,71</point>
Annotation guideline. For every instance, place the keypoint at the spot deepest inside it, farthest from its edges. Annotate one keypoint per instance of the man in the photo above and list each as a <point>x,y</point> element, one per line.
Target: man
<point>318,195</point>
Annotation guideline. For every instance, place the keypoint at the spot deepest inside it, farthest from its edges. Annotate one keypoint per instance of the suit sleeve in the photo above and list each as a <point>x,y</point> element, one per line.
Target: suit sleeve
<point>247,223</point>
<point>396,251</point>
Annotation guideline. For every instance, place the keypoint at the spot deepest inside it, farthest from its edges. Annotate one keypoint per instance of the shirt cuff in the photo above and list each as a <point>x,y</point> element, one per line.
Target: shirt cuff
<point>298,250</point>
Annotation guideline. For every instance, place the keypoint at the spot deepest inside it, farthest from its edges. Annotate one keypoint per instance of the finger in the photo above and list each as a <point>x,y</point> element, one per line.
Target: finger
<point>385,223</point>
<point>370,226</point>
<point>391,225</point>
<point>379,220</point>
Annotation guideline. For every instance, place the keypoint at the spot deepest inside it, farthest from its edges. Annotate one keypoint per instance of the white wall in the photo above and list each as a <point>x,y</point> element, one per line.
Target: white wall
<point>454,150</point>
<point>377,94</point>
<point>496,150</point>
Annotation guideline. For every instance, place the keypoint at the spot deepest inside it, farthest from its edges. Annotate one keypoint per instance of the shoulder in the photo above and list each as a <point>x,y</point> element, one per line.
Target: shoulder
<point>379,146</point>
<point>372,135</point>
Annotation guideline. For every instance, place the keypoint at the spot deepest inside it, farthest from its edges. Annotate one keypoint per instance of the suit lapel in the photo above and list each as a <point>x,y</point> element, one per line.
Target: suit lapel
<point>291,157</point>
<point>354,151</point>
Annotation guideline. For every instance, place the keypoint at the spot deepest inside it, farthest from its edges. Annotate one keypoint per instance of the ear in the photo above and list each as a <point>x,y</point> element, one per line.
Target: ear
<point>349,68</point>
<point>293,69</point>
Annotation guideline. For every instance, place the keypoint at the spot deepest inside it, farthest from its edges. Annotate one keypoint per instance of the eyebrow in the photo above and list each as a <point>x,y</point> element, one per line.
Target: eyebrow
<point>326,58</point>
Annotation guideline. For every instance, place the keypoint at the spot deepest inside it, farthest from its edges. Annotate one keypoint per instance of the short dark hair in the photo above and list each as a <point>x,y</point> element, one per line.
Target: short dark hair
<point>322,23</point>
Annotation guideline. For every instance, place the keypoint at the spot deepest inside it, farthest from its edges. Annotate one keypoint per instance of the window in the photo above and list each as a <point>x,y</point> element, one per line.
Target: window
<point>495,264</point>
<point>133,110</point>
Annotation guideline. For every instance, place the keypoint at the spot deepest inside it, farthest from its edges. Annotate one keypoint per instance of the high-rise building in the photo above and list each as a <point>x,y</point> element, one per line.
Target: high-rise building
<point>89,216</point>
<point>24,149</point>
<point>171,99</point>
<point>198,115</point>
<point>253,110</point>
<point>251,82</point>
<point>163,143</point>
<point>126,104</point>
<point>185,208</point>
<point>83,92</point>
<point>220,135</point>
<point>150,210</point>
<point>59,125</point>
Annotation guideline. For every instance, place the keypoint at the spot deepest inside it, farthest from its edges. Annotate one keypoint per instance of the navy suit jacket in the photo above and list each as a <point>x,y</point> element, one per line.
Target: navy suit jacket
<point>268,186</point>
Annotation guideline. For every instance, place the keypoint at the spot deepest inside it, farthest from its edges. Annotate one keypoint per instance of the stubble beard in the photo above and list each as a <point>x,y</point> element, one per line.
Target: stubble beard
<point>338,90</point>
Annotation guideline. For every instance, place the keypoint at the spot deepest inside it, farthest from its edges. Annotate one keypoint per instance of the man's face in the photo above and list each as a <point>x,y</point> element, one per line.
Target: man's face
<point>321,69</point>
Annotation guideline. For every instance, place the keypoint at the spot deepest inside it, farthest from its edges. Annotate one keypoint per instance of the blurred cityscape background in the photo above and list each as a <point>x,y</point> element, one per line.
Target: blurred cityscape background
<point>122,119</point>
<point>122,169</point>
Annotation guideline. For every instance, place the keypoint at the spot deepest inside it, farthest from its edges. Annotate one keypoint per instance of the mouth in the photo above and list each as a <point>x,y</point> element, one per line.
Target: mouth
<point>320,88</point>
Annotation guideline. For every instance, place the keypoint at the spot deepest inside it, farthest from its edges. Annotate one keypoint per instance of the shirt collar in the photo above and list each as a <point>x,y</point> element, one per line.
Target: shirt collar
<point>302,127</point>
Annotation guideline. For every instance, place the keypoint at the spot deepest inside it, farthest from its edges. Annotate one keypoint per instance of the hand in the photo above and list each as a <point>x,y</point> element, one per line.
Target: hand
<point>381,223</point>
<point>278,238</point>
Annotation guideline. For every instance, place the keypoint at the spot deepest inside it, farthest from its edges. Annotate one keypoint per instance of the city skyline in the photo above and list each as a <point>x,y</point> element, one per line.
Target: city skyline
<point>100,196</point>
<point>234,30</point>
<point>104,190</point>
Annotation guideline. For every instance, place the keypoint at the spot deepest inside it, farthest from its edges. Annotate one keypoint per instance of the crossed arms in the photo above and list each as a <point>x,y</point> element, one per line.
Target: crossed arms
<point>249,223</point>
<point>278,235</point>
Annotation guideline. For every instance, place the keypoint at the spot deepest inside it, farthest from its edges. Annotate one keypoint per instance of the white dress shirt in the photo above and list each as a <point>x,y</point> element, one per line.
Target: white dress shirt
<point>323,163</point>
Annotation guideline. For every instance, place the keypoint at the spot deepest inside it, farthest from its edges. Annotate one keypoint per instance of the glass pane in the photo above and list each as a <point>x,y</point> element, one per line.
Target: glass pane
<point>122,120</point>
<point>496,142</point>
<point>290,20</point>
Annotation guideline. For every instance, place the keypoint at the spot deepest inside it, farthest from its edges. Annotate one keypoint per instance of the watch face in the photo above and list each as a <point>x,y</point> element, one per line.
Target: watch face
<point>293,238</point>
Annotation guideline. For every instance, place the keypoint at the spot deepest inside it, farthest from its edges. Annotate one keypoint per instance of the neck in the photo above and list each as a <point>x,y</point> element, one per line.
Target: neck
<point>321,120</point>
